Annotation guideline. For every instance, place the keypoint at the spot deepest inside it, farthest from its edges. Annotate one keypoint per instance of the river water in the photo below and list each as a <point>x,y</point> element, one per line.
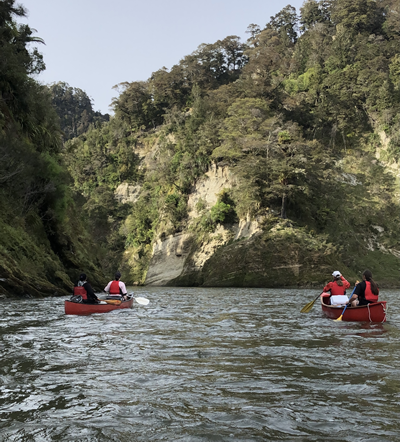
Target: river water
<point>198,365</point>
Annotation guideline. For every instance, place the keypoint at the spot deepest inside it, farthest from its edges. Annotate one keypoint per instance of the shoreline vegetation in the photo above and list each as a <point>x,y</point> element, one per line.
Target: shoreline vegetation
<point>264,163</point>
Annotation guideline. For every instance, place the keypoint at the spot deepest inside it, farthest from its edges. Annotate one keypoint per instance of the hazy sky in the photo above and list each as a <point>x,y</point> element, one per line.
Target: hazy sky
<point>96,44</point>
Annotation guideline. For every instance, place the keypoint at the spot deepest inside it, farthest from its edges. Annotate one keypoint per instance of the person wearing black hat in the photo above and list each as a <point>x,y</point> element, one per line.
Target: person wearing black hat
<point>84,289</point>
<point>116,288</point>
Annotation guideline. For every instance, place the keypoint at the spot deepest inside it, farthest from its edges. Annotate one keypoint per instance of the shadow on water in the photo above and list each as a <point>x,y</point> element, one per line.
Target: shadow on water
<point>198,365</point>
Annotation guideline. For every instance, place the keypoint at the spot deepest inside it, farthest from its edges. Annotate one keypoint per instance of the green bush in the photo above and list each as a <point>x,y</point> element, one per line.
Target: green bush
<point>220,211</point>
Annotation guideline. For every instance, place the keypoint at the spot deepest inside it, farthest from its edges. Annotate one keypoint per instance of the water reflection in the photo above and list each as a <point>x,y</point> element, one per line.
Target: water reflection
<point>371,330</point>
<point>198,365</point>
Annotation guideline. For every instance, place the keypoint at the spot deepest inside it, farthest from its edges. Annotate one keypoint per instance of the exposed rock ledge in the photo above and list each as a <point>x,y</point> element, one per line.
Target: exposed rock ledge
<point>175,257</point>
<point>178,256</point>
<point>127,193</point>
<point>168,259</point>
<point>208,188</point>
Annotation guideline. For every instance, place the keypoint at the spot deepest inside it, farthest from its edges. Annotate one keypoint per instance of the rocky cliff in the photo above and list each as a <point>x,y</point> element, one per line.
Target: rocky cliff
<point>249,253</point>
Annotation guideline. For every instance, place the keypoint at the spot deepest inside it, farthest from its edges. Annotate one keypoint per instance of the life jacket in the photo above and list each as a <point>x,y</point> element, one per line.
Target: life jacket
<point>337,290</point>
<point>114,288</point>
<point>369,296</point>
<point>80,291</point>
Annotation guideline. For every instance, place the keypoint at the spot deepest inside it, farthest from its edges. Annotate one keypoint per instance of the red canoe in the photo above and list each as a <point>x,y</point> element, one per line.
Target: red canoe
<point>375,312</point>
<point>76,308</point>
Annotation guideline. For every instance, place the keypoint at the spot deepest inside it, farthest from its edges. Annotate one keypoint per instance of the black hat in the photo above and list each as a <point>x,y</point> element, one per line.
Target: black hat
<point>82,277</point>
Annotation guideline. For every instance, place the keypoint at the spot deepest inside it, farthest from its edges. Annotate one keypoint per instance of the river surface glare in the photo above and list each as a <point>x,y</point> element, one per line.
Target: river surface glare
<point>198,364</point>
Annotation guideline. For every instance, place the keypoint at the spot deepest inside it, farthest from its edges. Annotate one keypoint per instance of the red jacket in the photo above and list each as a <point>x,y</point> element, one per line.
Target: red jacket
<point>369,296</point>
<point>114,288</point>
<point>337,289</point>
<point>81,292</point>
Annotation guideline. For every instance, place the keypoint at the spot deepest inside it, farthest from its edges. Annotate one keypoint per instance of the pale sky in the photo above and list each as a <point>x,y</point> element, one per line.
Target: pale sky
<point>96,44</point>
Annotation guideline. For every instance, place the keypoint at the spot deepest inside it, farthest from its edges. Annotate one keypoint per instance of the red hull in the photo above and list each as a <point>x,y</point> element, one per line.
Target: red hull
<point>75,308</point>
<point>375,312</point>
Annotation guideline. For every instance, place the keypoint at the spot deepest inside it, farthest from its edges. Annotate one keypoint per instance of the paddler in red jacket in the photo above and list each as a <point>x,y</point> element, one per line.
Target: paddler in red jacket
<point>338,287</point>
<point>366,292</point>
<point>116,288</point>
<point>84,289</point>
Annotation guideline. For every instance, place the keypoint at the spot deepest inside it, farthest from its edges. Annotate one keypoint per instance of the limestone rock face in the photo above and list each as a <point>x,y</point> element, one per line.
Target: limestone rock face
<point>246,228</point>
<point>127,193</point>
<point>174,257</point>
<point>208,188</point>
<point>178,258</point>
<point>168,259</point>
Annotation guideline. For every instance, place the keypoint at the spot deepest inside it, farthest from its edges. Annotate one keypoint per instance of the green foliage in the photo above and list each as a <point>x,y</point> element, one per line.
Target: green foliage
<point>394,69</point>
<point>74,109</point>
<point>303,82</point>
<point>103,156</point>
<point>17,62</point>
<point>201,205</point>
<point>44,241</point>
<point>243,129</point>
<point>314,12</point>
<point>285,23</point>
<point>219,212</point>
<point>143,105</point>
<point>135,106</point>
<point>223,212</point>
<point>175,206</point>
<point>394,143</point>
<point>284,112</point>
<point>225,208</point>
<point>141,223</point>
<point>357,16</point>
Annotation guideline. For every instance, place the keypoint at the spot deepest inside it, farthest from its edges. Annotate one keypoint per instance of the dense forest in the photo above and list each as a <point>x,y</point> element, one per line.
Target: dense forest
<point>44,239</point>
<point>304,118</point>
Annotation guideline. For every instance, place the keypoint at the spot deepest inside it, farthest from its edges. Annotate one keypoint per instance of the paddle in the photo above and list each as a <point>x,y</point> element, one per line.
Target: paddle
<point>341,316</point>
<point>307,308</point>
<point>142,301</point>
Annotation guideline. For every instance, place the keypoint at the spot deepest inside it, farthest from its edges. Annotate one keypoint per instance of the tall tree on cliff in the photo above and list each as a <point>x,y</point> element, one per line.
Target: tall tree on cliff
<point>285,23</point>
<point>74,109</point>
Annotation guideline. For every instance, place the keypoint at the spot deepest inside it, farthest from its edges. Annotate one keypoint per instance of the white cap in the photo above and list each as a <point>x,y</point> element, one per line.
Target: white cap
<point>336,274</point>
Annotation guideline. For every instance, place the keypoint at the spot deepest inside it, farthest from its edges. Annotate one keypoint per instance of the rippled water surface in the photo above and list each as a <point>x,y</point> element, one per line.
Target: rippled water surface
<point>198,365</point>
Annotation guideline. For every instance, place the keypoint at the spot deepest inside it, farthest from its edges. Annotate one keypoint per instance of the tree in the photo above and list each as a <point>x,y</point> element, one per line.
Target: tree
<point>313,12</point>
<point>358,16</point>
<point>285,23</point>
<point>391,25</point>
<point>74,109</point>
<point>281,170</point>
<point>244,128</point>
<point>253,30</point>
<point>17,62</point>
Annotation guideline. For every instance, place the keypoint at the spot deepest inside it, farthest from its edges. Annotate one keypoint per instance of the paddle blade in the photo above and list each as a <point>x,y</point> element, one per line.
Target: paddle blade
<point>339,318</point>
<point>307,308</point>
<point>142,301</point>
